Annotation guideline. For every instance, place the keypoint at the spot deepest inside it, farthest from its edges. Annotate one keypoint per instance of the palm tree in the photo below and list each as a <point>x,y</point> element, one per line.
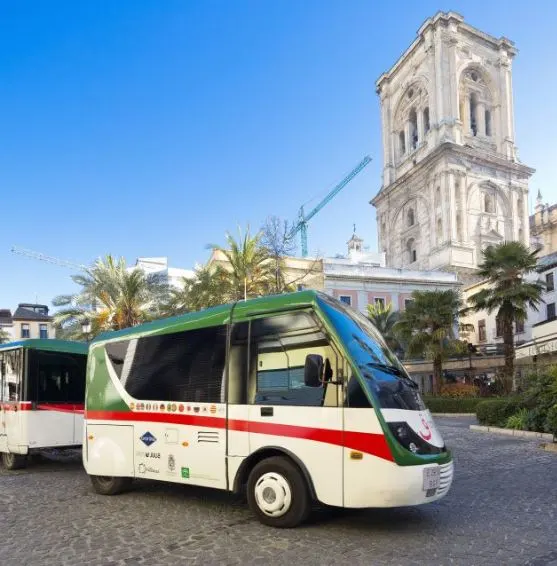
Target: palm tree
<point>4,336</point>
<point>112,297</point>
<point>427,327</point>
<point>505,268</point>
<point>249,266</point>
<point>384,319</point>
<point>210,286</point>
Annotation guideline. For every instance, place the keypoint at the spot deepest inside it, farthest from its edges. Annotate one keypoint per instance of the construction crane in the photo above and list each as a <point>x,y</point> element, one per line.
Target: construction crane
<point>303,219</point>
<point>50,259</point>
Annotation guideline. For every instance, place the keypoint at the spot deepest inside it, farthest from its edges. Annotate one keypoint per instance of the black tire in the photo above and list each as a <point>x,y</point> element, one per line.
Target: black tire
<point>110,485</point>
<point>286,484</point>
<point>12,461</point>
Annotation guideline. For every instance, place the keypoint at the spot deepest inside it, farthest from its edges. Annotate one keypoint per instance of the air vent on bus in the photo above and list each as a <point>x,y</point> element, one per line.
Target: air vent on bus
<point>207,436</point>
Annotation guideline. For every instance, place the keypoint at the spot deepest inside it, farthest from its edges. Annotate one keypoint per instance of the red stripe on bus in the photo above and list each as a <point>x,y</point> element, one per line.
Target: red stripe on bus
<point>59,407</point>
<point>370,443</point>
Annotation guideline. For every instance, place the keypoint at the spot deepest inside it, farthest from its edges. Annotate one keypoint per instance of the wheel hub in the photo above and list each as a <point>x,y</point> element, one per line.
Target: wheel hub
<point>273,494</point>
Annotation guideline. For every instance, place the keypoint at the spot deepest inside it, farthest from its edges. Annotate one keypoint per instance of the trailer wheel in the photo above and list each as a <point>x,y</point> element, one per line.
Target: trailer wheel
<point>12,461</point>
<point>110,485</point>
<point>278,494</point>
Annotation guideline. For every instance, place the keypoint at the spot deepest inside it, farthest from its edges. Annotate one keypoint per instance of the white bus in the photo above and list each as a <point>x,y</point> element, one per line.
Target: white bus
<point>42,393</point>
<point>292,399</point>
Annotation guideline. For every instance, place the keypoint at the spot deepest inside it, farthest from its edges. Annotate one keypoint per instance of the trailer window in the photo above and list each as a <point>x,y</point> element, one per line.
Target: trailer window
<point>11,366</point>
<point>56,377</point>
<point>182,366</point>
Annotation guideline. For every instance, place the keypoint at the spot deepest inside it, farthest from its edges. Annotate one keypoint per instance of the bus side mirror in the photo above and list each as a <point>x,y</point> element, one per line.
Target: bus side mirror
<point>313,370</point>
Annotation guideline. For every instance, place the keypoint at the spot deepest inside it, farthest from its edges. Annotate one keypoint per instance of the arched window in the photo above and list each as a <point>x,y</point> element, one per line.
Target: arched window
<point>410,217</point>
<point>489,205</point>
<point>439,230</point>
<point>473,109</point>
<point>426,120</point>
<point>487,123</point>
<point>437,196</point>
<point>411,249</point>
<point>413,119</point>
<point>401,143</point>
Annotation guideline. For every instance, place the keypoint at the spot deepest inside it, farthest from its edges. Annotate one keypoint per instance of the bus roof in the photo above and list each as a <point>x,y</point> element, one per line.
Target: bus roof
<point>52,345</point>
<point>215,316</point>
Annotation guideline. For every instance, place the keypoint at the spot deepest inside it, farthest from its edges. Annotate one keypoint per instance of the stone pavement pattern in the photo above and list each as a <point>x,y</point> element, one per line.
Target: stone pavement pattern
<point>502,510</point>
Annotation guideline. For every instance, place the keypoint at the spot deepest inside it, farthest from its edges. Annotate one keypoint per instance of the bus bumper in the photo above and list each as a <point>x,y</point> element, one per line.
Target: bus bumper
<point>400,486</point>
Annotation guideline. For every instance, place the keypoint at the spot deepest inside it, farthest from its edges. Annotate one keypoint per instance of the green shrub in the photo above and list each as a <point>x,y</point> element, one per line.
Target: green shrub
<point>551,421</point>
<point>518,420</point>
<point>495,412</point>
<point>452,405</point>
<point>535,419</point>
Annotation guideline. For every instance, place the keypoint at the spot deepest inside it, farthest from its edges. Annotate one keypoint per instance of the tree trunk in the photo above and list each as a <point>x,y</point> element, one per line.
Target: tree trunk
<point>508,339</point>
<point>437,371</point>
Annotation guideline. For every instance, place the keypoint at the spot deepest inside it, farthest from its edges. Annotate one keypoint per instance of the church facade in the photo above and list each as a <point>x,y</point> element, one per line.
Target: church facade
<point>452,180</point>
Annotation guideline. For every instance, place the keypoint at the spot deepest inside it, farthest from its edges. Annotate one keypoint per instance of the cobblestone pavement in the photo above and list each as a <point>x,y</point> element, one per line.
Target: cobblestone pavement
<point>501,510</point>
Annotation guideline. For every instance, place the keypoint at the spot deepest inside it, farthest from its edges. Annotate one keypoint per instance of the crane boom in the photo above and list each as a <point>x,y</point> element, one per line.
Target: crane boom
<point>49,259</point>
<point>301,226</point>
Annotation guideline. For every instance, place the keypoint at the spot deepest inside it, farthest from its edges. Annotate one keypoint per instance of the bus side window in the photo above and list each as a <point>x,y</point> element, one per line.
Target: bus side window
<point>180,366</point>
<point>355,396</point>
<point>278,349</point>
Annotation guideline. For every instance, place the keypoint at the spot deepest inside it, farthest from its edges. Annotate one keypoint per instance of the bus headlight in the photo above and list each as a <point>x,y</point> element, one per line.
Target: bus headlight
<point>412,441</point>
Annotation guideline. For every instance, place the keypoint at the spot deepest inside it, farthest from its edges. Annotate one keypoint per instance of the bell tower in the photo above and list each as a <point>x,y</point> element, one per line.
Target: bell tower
<point>452,181</point>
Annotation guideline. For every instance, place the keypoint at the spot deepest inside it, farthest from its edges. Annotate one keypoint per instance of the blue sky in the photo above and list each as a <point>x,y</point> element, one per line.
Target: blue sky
<point>144,128</point>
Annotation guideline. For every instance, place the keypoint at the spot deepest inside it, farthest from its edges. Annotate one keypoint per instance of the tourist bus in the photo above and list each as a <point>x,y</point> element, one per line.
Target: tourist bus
<point>292,399</point>
<point>42,392</point>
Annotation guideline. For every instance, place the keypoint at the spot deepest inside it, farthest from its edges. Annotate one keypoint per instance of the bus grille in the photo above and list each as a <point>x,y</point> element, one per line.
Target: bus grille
<point>446,478</point>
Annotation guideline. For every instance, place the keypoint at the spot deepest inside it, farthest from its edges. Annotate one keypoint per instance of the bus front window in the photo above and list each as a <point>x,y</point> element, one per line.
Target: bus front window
<point>384,376</point>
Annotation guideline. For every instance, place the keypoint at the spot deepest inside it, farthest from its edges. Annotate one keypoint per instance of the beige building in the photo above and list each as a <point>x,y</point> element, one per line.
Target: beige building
<point>452,180</point>
<point>543,227</point>
<point>32,321</point>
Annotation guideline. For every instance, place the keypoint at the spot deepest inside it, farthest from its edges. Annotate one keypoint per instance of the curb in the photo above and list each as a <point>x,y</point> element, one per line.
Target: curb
<point>550,447</point>
<point>513,432</point>
<point>453,414</point>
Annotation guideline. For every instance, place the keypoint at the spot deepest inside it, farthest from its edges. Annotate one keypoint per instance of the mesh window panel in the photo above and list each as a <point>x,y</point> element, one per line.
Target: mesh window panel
<point>183,366</point>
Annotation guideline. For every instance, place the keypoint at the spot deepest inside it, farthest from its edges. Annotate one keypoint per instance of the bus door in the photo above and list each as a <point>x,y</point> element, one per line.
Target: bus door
<point>285,412</point>
<point>12,437</point>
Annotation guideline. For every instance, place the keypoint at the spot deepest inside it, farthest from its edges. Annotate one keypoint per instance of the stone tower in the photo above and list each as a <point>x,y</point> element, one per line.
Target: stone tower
<point>452,181</point>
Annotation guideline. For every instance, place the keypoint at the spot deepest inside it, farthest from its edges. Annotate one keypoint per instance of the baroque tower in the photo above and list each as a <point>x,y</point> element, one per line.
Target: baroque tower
<point>452,181</point>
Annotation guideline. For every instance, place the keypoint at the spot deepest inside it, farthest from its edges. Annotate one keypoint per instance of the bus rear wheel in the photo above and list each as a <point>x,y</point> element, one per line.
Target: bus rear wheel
<point>12,461</point>
<point>278,493</point>
<point>110,485</point>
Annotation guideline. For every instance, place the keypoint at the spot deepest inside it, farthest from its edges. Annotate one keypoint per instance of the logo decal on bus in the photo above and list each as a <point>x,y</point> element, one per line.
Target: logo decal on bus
<point>148,439</point>
<point>171,463</point>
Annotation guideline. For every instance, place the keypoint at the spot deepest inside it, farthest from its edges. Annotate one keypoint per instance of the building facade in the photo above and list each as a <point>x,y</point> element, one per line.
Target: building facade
<point>32,321</point>
<point>6,323</point>
<point>172,275</point>
<point>543,227</point>
<point>452,181</point>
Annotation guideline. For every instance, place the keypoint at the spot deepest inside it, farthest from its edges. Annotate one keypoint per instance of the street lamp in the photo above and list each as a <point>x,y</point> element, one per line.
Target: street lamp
<point>86,329</point>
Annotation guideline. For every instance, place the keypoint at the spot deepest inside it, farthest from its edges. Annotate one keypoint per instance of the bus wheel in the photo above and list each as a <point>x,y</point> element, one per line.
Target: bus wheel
<point>109,485</point>
<point>12,461</point>
<point>278,494</point>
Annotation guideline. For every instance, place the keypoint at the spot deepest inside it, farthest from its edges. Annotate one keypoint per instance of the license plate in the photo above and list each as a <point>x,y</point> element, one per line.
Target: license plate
<point>431,478</point>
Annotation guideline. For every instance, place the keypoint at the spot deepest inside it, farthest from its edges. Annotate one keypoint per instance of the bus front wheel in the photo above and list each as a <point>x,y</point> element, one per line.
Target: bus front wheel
<point>278,493</point>
<point>12,461</point>
<point>109,485</point>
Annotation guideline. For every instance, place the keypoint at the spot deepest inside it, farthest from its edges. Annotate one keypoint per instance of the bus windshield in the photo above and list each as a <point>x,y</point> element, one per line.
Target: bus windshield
<point>384,376</point>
